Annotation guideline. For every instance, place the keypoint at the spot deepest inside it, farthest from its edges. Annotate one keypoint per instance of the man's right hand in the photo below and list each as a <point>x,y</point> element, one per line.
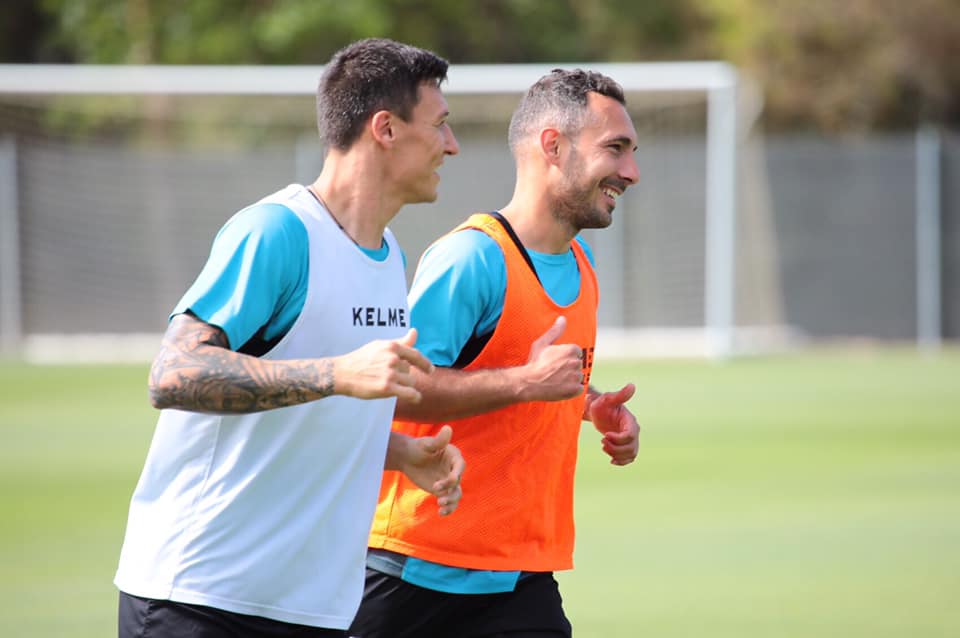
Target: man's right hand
<point>381,369</point>
<point>553,372</point>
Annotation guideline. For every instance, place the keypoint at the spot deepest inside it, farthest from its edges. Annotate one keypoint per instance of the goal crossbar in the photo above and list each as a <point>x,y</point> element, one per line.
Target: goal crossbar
<point>103,79</point>
<point>718,80</point>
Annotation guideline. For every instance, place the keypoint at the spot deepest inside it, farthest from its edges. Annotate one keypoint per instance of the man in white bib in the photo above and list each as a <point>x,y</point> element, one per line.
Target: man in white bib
<point>278,376</point>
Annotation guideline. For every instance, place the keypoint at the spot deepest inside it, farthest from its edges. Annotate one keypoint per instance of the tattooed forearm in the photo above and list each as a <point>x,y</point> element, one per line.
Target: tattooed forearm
<point>195,370</point>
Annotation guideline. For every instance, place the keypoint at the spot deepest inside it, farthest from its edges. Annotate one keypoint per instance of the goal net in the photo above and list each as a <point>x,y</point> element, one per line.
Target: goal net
<point>114,180</point>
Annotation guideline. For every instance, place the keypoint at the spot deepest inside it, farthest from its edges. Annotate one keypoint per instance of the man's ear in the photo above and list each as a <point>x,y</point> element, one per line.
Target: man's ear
<point>382,128</point>
<point>551,141</point>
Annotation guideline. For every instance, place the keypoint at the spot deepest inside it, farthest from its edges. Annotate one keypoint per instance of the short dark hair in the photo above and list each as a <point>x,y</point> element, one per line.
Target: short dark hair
<point>560,99</point>
<point>368,76</point>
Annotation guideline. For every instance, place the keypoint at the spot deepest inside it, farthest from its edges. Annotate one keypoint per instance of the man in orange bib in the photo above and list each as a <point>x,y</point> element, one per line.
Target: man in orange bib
<point>506,308</point>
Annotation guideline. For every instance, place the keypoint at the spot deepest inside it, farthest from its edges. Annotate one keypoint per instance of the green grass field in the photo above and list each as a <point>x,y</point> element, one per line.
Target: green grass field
<point>806,495</point>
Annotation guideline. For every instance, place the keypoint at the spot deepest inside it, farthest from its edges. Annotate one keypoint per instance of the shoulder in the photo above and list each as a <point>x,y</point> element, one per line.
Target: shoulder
<point>465,266</point>
<point>270,221</point>
<point>268,233</point>
<point>465,249</point>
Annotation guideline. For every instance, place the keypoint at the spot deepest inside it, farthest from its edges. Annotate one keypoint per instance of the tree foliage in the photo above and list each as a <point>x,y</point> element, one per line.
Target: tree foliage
<point>837,65</point>
<point>845,65</point>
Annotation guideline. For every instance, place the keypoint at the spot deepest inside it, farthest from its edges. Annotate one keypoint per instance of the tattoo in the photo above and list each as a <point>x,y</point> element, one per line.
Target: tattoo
<point>326,377</point>
<point>196,370</point>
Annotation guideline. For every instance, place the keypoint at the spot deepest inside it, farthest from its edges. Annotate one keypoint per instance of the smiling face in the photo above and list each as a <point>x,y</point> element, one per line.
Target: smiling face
<point>598,167</point>
<point>422,145</point>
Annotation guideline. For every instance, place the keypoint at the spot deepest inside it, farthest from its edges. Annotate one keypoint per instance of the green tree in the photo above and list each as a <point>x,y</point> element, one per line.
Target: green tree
<point>847,65</point>
<point>836,65</point>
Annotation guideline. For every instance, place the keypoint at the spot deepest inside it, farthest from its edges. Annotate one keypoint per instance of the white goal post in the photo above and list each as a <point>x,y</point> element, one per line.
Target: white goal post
<point>718,81</point>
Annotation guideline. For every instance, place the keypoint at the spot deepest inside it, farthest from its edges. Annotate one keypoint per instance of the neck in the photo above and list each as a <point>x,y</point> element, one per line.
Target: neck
<point>536,224</point>
<point>348,188</point>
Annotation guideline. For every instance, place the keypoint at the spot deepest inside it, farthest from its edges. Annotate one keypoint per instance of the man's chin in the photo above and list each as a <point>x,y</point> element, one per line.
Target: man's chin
<point>600,219</point>
<point>423,198</point>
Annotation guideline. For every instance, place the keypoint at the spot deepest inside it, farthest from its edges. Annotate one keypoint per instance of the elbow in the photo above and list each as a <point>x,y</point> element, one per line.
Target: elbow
<point>159,393</point>
<point>407,410</point>
<point>159,398</point>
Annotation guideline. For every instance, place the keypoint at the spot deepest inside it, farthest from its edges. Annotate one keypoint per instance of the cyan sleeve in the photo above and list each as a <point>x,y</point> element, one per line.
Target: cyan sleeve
<point>457,293</point>
<point>256,276</point>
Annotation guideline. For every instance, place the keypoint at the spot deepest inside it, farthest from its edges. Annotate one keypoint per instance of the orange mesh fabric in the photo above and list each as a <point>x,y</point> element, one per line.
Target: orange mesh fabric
<point>517,509</point>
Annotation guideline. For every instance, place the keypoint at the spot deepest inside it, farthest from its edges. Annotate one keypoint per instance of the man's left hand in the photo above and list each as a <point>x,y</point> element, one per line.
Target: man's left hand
<point>621,432</point>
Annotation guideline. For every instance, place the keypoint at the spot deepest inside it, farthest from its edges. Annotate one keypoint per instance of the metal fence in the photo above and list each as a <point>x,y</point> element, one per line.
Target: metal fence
<point>107,238</point>
<point>846,217</point>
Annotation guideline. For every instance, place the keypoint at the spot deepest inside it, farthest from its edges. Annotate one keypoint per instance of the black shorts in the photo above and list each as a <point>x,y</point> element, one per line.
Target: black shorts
<point>392,608</point>
<point>149,618</point>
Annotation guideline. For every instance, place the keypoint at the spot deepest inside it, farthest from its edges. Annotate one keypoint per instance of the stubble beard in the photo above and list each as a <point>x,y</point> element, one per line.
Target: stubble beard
<point>575,204</point>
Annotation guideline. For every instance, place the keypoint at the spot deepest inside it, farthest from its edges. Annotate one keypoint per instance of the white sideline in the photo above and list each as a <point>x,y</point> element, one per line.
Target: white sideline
<point>612,343</point>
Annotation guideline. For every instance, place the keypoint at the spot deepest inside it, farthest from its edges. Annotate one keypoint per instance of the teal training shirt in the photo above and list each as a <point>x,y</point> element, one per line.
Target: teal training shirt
<point>255,280</point>
<point>463,278</point>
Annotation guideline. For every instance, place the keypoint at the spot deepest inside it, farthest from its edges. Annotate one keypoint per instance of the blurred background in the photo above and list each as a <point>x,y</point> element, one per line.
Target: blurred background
<point>793,248</point>
<point>839,216</point>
